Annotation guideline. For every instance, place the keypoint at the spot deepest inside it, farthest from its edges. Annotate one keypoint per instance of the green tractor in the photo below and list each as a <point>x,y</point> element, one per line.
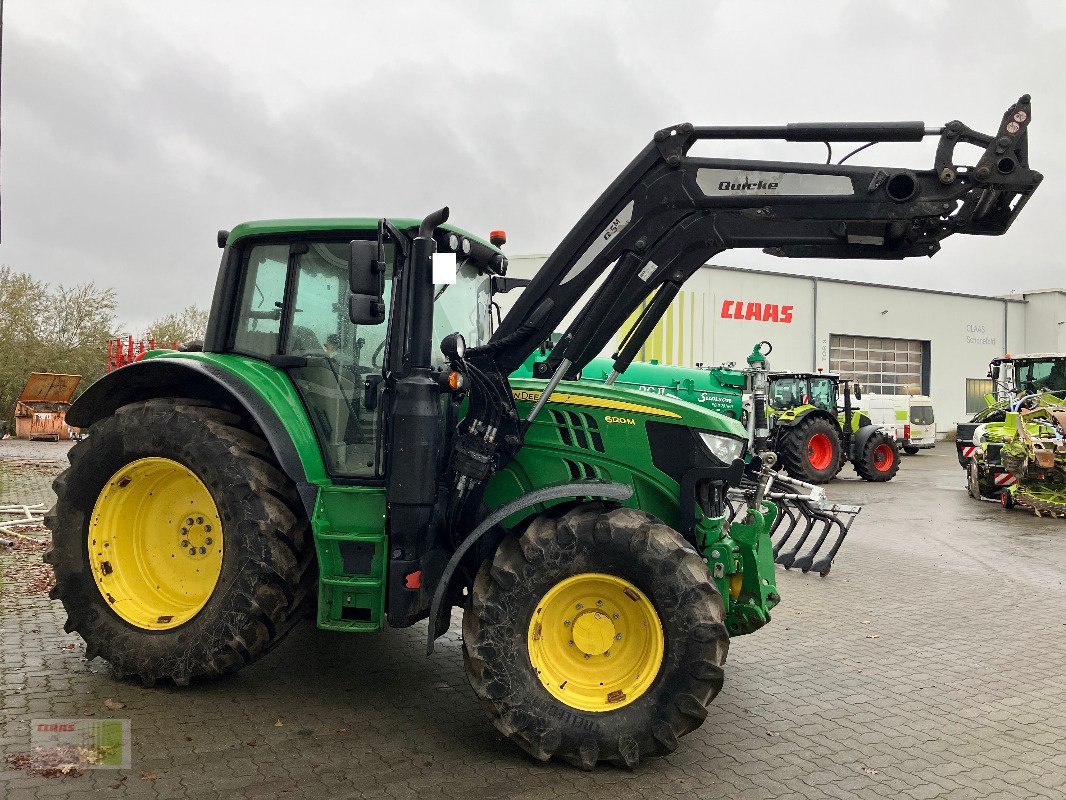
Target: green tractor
<point>812,432</point>
<point>318,450</point>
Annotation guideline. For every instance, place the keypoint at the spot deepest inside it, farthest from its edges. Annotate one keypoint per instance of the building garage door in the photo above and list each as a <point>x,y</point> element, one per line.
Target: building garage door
<point>881,366</point>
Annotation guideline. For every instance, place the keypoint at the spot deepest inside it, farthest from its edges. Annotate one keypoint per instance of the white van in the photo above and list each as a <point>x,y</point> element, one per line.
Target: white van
<point>909,417</point>
<point>922,424</point>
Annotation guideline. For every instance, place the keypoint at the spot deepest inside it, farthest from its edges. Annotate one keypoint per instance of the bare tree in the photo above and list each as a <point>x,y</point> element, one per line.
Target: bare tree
<point>188,325</point>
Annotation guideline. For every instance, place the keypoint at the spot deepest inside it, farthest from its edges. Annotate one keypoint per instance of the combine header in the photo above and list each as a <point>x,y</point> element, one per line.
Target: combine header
<point>1014,450</point>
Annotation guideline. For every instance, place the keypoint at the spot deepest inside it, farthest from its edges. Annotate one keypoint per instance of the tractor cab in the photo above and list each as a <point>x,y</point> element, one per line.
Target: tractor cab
<point>287,286</point>
<point>790,390</point>
<point>1039,373</point>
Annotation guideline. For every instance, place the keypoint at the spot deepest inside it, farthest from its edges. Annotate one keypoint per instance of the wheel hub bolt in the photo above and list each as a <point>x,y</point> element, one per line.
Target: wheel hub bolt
<point>618,637</point>
<point>607,653</point>
<point>614,616</point>
<point>580,606</point>
<point>184,542</point>
<point>209,540</point>
<point>184,531</point>
<point>566,623</point>
<point>192,551</point>
<point>599,602</point>
<point>207,529</point>
<point>188,521</point>
<point>587,656</point>
<point>203,551</point>
<point>570,643</point>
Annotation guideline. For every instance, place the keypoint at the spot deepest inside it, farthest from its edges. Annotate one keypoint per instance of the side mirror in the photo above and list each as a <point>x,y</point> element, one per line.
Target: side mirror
<point>365,309</point>
<point>857,391</point>
<point>366,281</point>
<point>366,274</point>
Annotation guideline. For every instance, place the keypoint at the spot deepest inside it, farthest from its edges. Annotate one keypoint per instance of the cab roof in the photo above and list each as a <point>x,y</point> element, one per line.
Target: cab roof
<point>832,375</point>
<point>267,227</point>
<point>1028,357</point>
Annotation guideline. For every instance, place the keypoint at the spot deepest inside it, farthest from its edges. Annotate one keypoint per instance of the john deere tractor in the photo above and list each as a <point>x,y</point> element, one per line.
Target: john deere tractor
<point>813,433</point>
<point>347,436</point>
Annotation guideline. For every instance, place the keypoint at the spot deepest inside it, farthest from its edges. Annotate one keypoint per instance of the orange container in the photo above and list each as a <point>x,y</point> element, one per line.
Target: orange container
<point>41,409</point>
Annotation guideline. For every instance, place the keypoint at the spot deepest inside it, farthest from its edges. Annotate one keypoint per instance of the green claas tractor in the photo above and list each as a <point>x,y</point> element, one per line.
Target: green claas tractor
<point>812,433</point>
<point>346,437</point>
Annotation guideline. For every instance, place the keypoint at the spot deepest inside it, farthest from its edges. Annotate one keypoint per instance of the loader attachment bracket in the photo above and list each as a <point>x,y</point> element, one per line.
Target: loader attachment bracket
<point>808,530</point>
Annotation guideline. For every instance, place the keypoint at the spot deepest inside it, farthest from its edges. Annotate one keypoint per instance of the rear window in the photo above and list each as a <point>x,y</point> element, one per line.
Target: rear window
<point>921,415</point>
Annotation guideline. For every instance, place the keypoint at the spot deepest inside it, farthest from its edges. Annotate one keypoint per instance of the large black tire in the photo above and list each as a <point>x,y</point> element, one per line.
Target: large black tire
<point>980,486</point>
<point>879,460</point>
<point>268,567</point>
<point>798,456</point>
<point>973,479</point>
<point>622,542</point>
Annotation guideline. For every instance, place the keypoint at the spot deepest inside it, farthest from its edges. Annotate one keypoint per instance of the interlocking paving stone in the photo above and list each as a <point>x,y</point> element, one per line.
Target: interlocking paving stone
<point>961,695</point>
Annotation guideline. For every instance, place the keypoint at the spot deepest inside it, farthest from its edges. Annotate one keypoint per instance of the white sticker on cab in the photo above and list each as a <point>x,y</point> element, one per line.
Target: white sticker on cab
<point>443,268</point>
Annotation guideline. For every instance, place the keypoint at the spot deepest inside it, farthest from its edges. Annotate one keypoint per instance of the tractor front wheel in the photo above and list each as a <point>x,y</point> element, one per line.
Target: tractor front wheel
<point>596,635</point>
<point>179,547</point>
<point>974,487</point>
<point>811,451</point>
<point>879,460</point>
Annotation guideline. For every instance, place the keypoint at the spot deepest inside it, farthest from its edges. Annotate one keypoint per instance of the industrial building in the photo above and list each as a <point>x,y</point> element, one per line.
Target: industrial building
<point>893,340</point>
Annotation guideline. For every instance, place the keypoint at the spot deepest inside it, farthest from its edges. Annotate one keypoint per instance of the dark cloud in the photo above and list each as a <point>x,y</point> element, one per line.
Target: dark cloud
<point>133,132</point>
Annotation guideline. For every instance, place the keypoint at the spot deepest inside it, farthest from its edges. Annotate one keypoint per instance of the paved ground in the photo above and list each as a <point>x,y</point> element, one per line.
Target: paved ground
<point>930,663</point>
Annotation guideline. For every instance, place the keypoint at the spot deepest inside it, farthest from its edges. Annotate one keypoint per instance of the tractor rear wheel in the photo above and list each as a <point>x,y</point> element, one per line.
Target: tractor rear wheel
<point>811,451</point>
<point>596,635</point>
<point>879,460</point>
<point>179,547</point>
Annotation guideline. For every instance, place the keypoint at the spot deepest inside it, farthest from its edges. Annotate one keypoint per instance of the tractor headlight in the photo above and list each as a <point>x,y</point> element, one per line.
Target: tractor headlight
<point>724,448</point>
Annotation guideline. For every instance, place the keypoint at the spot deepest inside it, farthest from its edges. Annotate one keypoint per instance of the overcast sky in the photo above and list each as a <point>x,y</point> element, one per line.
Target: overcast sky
<point>132,131</point>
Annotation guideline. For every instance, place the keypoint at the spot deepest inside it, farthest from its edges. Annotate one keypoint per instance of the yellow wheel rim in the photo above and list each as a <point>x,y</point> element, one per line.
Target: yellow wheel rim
<point>155,543</point>
<point>596,642</point>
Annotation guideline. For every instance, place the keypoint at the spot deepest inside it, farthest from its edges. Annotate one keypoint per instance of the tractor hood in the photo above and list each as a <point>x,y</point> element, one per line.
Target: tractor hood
<point>613,400</point>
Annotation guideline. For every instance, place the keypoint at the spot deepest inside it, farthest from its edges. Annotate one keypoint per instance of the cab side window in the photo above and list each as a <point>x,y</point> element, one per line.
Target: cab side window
<point>258,322</point>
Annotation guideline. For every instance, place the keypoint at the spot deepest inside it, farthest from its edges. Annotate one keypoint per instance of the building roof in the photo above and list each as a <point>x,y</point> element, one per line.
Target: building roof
<point>820,279</point>
<point>1000,298</point>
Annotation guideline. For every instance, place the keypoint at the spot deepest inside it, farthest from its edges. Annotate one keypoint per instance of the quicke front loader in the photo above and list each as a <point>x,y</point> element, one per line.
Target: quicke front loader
<point>315,449</point>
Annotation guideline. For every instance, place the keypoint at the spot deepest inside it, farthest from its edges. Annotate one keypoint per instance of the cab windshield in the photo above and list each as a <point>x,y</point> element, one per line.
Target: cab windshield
<point>1049,376</point>
<point>823,394</point>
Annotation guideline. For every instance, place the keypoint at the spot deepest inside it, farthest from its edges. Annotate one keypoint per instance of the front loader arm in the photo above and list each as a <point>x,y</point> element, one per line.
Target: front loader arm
<point>667,213</point>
